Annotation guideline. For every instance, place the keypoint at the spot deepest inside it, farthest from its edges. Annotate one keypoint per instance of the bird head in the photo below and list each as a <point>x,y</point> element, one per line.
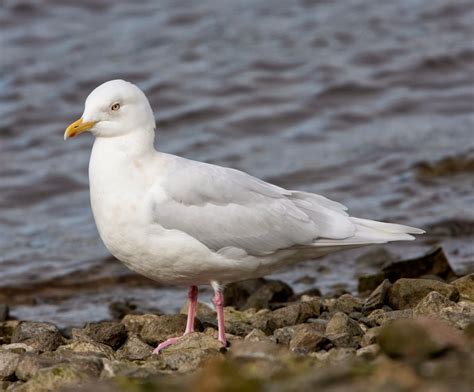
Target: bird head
<point>113,109</point>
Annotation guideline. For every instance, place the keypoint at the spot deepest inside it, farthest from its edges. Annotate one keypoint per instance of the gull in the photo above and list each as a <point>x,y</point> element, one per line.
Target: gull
<point>183,222</point>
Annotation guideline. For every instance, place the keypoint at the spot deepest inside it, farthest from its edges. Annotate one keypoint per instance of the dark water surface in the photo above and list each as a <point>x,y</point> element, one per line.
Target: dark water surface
<point>367,102</point>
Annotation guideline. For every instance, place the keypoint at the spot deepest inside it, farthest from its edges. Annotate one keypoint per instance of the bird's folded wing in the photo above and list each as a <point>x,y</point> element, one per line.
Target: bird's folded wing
<point>223,207</point>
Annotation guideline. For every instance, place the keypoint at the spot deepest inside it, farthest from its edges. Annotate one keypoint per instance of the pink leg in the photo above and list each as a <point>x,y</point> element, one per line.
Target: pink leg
<point>192,296</point>
<point>219,303</point>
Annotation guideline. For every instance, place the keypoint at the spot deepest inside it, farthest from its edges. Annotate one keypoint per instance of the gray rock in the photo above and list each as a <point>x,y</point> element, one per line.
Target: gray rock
<point>377,298</point>
<point>370,337</point>
<point>380,317</point>
<point>341,323</point>
<point>368,352</point>
<point>40,336</point>
<point>346,303</point>
<point>289,315</point>
<point>465,286</point>
<point>190,351</point>
<point>406,293</point>
<point>164,327</point>
<point>95,348</point>
<point>110,333</point>
<point>308,338</point>
<point>419,339</point>
<point>432,304</point>
<point>8,363</point>
<point>4,312</point>
<point>257,335</point>
<point>270,292</point>
<point>134,349</point>
<point>134,323</point>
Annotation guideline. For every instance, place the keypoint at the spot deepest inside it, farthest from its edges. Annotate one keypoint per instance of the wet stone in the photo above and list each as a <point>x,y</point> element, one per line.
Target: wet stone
<point>236,294</point>
<point>270,292</point>
<point>406,293</point>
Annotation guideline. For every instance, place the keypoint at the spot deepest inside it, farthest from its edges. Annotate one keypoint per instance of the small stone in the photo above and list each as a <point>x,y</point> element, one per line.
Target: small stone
<point>110,333</point>
<point>368,352</point>
<point>30,364</point>
<point>134,349</point>
<point>236,293</point>
<point>341,323</point>
<point>271,291</point>
<point>345,340</point>
<point>40,336</point>
<point>6,330</point>
<point>164,327</point>
<point>307,339</point>
<point>257,335</point>
<point>419,339</point>
<point>18,348</point>
<point>96,348</point>
<point>135,323</point>
<point>406,293</point>
<point>370,337</point>
<point>432,304</point>
<point>190,351</point>
<point>8,363</point>
<point>346,303</point>
<point>381,317</point>
<point>4,312</point>
<point>289,315</point>
<point>377,298</point>
<point>465,286</point>
<point>340,354</point>
<point>245,350</point>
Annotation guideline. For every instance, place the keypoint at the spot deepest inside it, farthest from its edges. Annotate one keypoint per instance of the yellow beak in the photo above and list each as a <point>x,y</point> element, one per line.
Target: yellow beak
<point>78,127</point>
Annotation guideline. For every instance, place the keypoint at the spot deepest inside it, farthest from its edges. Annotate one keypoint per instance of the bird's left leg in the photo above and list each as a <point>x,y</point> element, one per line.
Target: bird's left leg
<point>219,304</point>
<point>192,296</point>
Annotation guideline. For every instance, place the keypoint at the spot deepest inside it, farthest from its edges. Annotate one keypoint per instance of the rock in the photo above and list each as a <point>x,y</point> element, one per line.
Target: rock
<point>30,364</point>
<point>419,339</point>
<point>368,352</point>
<point>8,363</point>
<point>340,354</point>
<point>432,263</point>
<point>432,304</point>
<point>345,340</point>
<point>236,294</point>
<point>289,315</point>
<point>270,292</point>
<point>377,298</point>
<point>164,327</point>
<point>98,349</point>
<point>370,337</point>
<point>245,350</point>
<point>135,323</point>
<point>58,377</point>
<point>257,335</point>
<point>465,286</point>
<point>134,349</point>
<point>189,352</point>
<point>6,330</point>
<point>308,339</point>
<point>380,317</point>
<point>4,312</point>
<point>18,348</point>
<point>40,336</point>
<point>204,313</point>
<point>110,333</point>
<point>341,323</point>
<point>406,293</point>
<point>346,303</point>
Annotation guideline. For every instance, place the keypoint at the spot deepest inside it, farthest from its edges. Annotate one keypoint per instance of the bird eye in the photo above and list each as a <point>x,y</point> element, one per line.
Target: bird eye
<point>115,107</point>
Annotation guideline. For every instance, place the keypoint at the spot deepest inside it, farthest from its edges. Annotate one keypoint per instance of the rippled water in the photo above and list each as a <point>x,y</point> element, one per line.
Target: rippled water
<point>367,102</point>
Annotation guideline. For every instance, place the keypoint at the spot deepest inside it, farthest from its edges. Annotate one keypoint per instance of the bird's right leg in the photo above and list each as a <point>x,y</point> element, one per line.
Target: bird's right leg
<point>192,296</point>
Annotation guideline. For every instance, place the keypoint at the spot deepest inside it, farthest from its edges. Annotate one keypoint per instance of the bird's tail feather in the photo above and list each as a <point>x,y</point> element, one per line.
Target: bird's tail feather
<point>372,232</point>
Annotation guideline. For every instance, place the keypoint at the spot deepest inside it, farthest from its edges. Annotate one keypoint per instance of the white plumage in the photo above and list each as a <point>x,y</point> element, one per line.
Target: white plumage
<point>179,221</point>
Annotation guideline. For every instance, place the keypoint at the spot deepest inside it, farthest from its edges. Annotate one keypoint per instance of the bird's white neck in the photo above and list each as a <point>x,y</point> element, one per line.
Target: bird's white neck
<point>131,145</point>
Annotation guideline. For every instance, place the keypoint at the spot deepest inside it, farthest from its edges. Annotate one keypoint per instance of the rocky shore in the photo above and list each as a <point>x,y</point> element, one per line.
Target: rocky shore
<point>412,331</point>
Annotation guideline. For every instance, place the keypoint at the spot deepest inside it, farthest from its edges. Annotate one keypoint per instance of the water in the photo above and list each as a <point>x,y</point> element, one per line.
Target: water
<point>368,103</point>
